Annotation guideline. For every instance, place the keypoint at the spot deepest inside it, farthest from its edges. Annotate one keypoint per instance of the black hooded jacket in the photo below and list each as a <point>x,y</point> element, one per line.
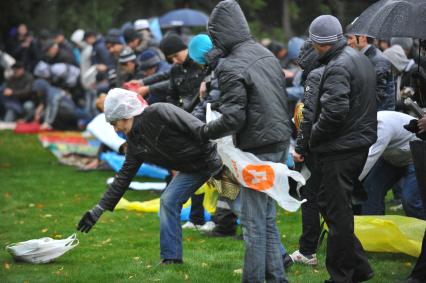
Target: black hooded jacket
<point>253,98</point>
<point>167,136</point>
<point>346,119</point>
<point>312,74</point>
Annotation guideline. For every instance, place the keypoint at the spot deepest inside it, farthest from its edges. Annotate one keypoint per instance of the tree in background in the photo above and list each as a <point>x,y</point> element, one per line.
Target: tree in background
<point>278,19</point>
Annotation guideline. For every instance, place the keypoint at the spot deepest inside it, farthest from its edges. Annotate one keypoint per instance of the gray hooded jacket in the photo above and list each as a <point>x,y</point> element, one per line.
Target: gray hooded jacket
<point>252,84</point>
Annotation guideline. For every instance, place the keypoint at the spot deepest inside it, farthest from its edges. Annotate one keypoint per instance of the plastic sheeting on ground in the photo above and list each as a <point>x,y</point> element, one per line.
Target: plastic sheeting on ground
<point>210,199</point>
<point>104,132</point>
<point>390,233</point>
<point>116,161</point>
<point>143,186</point>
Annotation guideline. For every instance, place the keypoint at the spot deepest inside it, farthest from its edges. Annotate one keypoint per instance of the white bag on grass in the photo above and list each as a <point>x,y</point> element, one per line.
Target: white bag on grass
<point>264,176</point>
<point>41,250</point>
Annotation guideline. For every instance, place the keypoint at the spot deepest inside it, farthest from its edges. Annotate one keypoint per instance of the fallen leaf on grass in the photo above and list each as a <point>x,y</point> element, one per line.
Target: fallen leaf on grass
<point>407,264</point>
<point>47,215</point>
<point>6,265</point>
<point>238,271</point>
<point>106,241</point>
<point>21,222</point>
<point>57,236</point>
<point>44,230</point>
<point>316,270</point>
<point>31,205</point>
<point>204,264</point>
<point>39,205</point>
<point>131,276</point>
<point>297,272</point>
<point>189,239</point>
<point>7,195</point>
<point>186,277</point>
<point>148,266</point>
<point>136,258</point>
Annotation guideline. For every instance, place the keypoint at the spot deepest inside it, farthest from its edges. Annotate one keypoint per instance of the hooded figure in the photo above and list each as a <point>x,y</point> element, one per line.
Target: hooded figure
<point>409,74</point>
<point>254,110</point>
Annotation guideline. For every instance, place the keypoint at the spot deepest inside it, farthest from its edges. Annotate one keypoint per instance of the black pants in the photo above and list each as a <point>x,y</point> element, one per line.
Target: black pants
<point>418,150</point>
<point>197,209</point>
<point>224,218</point>
<point>345,258</point>
<point>311,228</point>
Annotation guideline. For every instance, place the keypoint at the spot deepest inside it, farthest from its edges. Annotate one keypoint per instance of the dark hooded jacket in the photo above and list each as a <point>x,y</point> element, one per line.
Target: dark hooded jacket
<point>385,85</point>
<point>167,136</point>
<point>252,84</point>
<point>312,73</point>
<point>346,118</point>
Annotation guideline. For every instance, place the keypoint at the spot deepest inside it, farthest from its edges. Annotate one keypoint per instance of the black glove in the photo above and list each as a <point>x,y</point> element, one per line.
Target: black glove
<point>412,126</point>
<point>90,218</point>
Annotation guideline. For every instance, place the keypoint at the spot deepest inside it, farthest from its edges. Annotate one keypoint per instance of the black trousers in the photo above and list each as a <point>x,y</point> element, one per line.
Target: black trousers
<point>197,209</point>
<point>311,227</point>
<point>418,150</point>
<point>224,218</point>
<point>346,261</point>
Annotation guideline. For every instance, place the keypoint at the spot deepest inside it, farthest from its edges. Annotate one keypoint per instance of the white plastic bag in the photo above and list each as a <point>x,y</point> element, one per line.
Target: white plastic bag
<point>264,176</point>
<point>41,250</point>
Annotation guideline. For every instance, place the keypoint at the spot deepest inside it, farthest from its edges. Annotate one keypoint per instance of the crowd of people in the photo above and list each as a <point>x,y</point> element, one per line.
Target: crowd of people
<point>354,135</point>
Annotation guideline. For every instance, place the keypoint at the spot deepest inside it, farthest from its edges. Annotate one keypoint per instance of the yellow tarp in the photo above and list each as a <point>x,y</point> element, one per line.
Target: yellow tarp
<point>390,233</point>
<point>210,199</point>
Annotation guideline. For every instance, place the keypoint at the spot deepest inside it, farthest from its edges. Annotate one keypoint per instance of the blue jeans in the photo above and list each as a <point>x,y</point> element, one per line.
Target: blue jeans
<point>175,195</point>
<point>380,180</point>
<point>262,259</point>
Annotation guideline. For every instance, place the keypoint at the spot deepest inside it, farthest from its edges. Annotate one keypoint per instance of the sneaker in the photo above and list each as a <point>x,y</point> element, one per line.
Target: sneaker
<point>190,225</point>
<point>208,226</point>
<point>305,259</point>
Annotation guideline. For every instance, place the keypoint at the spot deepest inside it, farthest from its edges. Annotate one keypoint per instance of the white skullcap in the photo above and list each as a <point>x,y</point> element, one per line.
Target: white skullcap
<point>141,24</point>
<point>77,36</point>
<point>121,104</point>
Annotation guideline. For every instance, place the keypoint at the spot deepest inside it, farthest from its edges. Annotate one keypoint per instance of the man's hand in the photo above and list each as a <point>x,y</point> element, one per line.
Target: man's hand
<point>203,90</point>
<point>101,68</point>
<point>298,157</point>
<point>8,92</point>
<point>143,91</point>
<point>422,124</point>
<point>89,219</point>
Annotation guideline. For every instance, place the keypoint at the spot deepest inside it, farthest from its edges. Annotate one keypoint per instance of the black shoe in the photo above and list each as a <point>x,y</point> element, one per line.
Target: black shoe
<point>171,261</point>
<point>216,234</point>
<point>287,260</point>
<point>363,278</point>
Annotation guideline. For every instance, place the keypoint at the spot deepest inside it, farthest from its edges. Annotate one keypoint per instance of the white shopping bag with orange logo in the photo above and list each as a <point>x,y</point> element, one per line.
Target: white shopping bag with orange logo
<point>264,176</point>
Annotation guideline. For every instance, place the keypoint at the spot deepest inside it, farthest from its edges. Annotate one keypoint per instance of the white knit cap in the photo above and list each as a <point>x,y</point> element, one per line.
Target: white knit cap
<point>121,104</point>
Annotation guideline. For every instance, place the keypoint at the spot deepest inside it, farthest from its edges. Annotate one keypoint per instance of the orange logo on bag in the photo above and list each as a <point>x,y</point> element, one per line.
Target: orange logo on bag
<point>259,177</point>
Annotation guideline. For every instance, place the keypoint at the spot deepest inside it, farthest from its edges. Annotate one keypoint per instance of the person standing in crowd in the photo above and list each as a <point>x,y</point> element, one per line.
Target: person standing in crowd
<point>408,73</point>
<point>178,146</point>
<point>385,85</point>
<point>185,77</point>
<point>345,126</point>
<point>418,149</point>
<point>308,60</point>
<point>129,67</point>
<point>254,111</point>
<point>54,54</point>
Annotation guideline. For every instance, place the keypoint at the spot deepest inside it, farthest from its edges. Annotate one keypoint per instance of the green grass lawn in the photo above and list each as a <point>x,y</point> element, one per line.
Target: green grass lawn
<point>40,198</point>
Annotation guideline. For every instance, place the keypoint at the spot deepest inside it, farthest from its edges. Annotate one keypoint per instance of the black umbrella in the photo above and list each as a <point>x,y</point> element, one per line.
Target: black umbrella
<point>393,18</point>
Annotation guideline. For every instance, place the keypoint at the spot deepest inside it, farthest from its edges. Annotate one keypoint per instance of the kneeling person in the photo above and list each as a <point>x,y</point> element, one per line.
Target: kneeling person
<point>165,135</point>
